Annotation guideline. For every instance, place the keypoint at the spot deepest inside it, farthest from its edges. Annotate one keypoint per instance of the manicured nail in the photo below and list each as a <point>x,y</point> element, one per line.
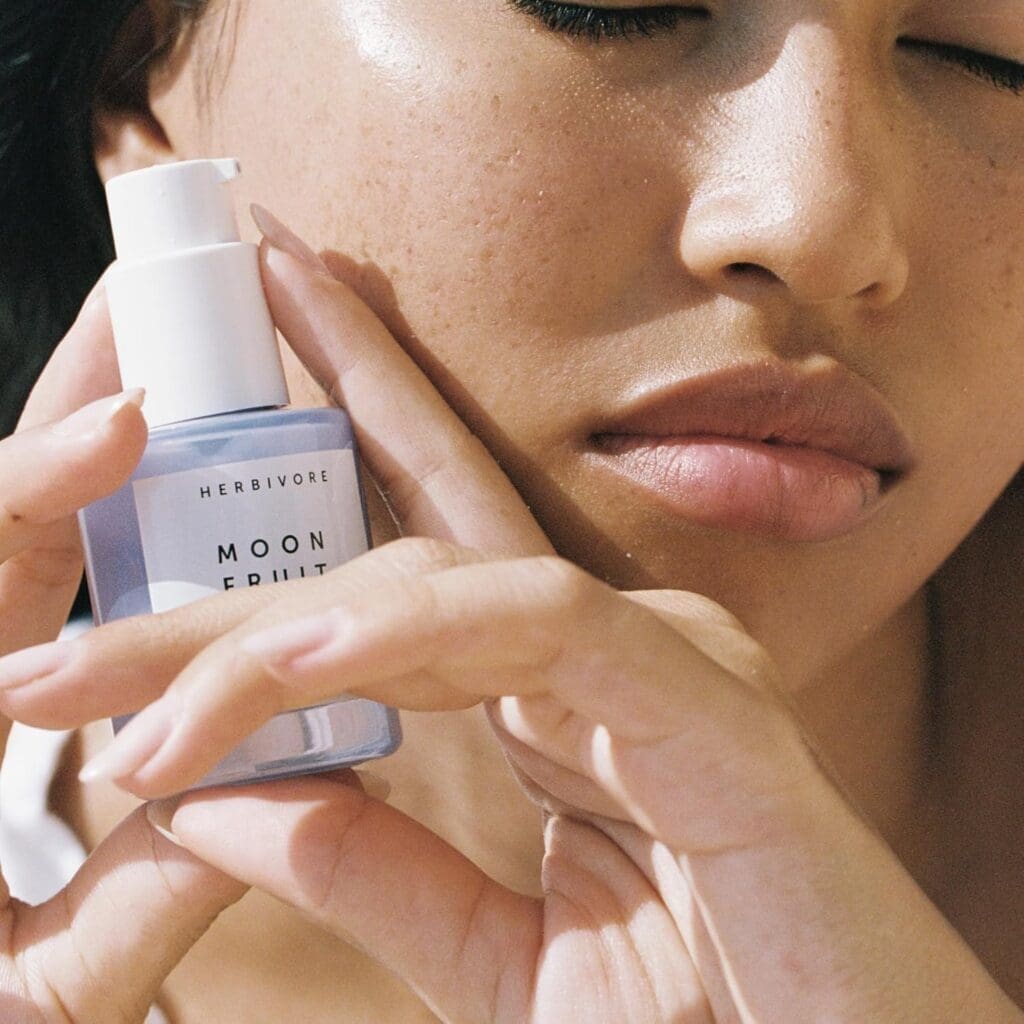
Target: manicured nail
<point>34,663</point>
<point>96,414</point>
<point>280,646</point>
<point>134,746</point>
<point>95,294</point>
<point>285,239</point>
<point>160,814</point>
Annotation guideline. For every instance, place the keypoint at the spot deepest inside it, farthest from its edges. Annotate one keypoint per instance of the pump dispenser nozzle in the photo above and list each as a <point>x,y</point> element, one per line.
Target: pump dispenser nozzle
<point>190,319</point>
<point>169,207</point>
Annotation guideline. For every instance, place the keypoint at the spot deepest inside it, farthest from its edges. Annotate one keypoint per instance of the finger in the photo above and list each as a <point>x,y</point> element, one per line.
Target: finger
<point>436,475</point>
<point>529,626</point>
<point>48,473</point>
<point>546,760</point>
<point>537,626</point>
<point>619,927</point>
<point>718,633</point>
<point>83,366</point>
<point>101,949</point>
<point>38,584</point>
<point>661,866</point>
<point>124,665</point>
<point>681,607</point>
<point>466,944</point>
<point>525,627</point>
<point>118,668</point>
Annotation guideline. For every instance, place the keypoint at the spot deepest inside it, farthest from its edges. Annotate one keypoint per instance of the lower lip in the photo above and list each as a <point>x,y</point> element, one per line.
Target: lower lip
<point>789,492</point>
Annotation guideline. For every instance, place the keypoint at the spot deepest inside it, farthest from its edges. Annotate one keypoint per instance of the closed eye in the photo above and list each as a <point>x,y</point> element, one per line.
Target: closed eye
<point>600,23</point>
<point>1000,71</point>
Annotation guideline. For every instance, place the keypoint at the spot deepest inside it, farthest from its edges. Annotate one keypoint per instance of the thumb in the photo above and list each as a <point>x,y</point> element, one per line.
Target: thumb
<point>378,879</point>
<point>101,949</point>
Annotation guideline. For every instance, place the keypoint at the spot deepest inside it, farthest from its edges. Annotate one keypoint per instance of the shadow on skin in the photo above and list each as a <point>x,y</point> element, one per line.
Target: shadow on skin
<point>574,535</point>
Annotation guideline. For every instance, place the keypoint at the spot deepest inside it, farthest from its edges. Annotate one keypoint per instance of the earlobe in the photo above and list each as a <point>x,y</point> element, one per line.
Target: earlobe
<point>127,140</point>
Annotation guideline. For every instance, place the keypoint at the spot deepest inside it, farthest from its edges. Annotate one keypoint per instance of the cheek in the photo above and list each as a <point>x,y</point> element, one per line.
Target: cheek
<point>968,312</point>
<point>952,351</point>
<point>494,187</point>
<point>500,205</point>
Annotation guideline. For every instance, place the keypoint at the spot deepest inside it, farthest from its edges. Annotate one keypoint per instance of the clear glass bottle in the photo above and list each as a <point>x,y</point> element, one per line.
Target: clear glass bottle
<point>234,489</point>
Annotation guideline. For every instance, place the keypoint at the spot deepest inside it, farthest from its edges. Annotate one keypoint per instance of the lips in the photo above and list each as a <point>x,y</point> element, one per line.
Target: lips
<point>762,448</point>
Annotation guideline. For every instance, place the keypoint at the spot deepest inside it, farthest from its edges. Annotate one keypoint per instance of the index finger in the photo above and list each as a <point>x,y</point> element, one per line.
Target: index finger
<point>39,580</point>
<point>83,366</point>
<point>437,476</point>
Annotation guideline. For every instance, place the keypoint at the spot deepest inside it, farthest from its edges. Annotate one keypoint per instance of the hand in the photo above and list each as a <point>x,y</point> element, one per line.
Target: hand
<point>701,865</point>
<point>101,948</point>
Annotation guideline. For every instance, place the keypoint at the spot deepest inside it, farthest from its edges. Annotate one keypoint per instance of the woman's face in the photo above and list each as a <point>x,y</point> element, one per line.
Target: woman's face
<point>558,228</point>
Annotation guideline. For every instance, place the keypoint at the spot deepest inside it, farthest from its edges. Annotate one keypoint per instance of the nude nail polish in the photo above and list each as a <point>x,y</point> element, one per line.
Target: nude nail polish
<point>235,489</point>
<point>283,238</point>
<point>96,414</point>
<point>160,814</point>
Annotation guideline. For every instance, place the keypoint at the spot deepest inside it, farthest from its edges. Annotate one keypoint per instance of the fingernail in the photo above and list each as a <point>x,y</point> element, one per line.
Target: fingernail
<point>281,645</point>
<point>95,294</point>
<point>285,239</point>
<point>94,415</point>
<point>34,663</point>
<point>135,745</point>
<point>160,814</point>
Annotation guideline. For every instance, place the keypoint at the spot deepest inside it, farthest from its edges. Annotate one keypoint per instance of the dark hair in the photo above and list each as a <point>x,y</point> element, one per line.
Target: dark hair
<point>55,62</point>
<point>58,58</point>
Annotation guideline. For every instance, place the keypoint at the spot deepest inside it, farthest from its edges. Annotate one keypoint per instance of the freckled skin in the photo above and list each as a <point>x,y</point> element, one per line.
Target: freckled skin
<point>553,228</point>
<point>553,221</point>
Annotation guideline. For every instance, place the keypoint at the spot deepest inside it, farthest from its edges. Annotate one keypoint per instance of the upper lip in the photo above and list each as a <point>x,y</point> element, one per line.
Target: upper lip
<point>831,409</point>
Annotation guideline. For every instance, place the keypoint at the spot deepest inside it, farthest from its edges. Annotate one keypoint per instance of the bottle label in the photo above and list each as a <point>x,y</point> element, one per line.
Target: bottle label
<point>248,523</point>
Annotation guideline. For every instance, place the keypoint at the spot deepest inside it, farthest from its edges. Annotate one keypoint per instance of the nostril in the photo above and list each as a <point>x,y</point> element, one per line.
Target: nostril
<point>752,272</point>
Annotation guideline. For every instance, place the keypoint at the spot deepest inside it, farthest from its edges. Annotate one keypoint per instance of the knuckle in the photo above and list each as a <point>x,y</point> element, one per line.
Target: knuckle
<point>100,647</point>
<point>571,589</point>
<point>404,493</point>
<point>73,995</point>
<point>424,554</point>
<point>339,845</point>
<point>50,566</point>
<point>686,605</point>
<point>795,762</point>
<point>8,517</point>
<point>702,607</point>
<point>755,666</point>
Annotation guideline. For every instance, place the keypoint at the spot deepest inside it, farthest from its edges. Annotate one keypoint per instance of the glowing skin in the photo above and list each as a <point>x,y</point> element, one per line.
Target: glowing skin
<point>553,228</point>
<point>559,221</point>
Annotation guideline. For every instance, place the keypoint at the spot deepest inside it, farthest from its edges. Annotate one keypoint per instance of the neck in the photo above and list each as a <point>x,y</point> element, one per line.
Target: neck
<point>873,719</point>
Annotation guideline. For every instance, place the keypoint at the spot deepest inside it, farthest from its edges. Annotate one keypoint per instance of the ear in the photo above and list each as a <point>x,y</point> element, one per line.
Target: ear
<point>130,126</point>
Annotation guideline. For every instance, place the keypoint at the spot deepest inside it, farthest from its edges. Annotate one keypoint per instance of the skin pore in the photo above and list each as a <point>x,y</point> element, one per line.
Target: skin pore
<point>552,227</point>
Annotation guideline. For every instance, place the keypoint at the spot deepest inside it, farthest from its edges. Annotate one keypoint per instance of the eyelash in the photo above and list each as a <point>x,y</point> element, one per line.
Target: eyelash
<point>599,23</point>
<point>1006,74</point>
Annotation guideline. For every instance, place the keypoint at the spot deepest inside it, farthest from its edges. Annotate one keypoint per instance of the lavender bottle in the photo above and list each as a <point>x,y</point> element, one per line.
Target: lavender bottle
<point>234,489</point>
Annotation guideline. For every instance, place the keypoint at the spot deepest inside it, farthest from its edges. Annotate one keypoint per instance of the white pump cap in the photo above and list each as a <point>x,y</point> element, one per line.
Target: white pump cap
<point>191,323</point>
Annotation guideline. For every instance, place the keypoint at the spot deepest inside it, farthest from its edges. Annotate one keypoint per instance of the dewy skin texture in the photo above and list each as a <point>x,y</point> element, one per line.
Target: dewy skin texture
<point>233,490</point>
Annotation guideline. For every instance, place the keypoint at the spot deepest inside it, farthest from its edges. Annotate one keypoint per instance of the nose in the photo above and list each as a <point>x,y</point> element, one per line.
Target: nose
<point>799,192</point>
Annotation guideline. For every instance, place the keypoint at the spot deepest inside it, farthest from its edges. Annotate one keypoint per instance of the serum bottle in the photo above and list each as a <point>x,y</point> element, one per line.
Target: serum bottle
<point>234,489</point>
